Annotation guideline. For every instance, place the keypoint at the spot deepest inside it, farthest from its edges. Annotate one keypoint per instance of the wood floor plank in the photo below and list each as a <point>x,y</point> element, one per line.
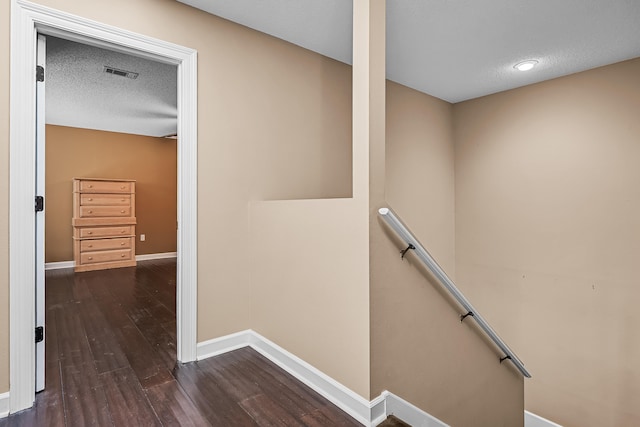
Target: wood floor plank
<point>99,287</point>
<point>127,295</point>
<point>139,300</point>
<point>173,407</point>
<point>162,343</point>
<point>163,290</point>
<point>266,412</point>
<point>146,364</point>
<point>79,286</point>
<point>160,312</point>
<point>57,288</point>
<point>242,379</point>
<point>288,388</point>
<point>284,385</point>
<point>49,402</point>
<point>52,352</point>
<point>85,402</point>
<point>171,328</point>
<point>328,417</point>
<point>316,418</point>
<point>161,284</point>
<point>213,402</point>
<point>231,377</point>
<point>128,403</point>
<point>73,347</point>
<point>107,354</point>
<point>147,306</point>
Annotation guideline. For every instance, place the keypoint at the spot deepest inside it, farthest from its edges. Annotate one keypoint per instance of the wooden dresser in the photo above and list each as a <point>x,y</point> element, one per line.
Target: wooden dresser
<point>104,223</point>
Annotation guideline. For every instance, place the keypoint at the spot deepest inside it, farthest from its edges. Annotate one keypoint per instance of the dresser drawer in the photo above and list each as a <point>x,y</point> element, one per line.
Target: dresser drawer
<point>105,256</point>
<point>104,187</point>
<point>104,244</point>
<point>105,232</point>
<point>105,199</point>
<point>104,211</point>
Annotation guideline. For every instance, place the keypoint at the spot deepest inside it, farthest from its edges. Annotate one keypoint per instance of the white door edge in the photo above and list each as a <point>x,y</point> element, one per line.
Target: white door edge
<point>40,216</point>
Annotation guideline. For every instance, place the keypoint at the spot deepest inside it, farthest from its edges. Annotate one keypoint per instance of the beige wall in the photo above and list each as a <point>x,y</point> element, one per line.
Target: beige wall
<point>310,290</point>
<point>4,196</point>
<point>420,350</point>
<point>420,168</point>
<point>547,220</point>
<point>274,121</point>
<point>152,162</point>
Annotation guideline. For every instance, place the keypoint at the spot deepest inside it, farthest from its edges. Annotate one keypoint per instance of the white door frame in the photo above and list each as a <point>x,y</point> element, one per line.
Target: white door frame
<point>27,19</point>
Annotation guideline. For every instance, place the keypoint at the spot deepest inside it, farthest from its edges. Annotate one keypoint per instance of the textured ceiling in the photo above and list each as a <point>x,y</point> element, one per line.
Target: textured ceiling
<point>80,94</point>
<point>458,49</point>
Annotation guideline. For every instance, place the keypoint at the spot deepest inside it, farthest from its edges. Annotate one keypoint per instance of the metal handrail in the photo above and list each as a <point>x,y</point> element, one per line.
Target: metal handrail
<point>413,244</point>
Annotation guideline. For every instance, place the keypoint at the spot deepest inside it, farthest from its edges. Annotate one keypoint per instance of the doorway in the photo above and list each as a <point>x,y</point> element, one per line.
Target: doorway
<point>103,122</point>
<point>27,21</point>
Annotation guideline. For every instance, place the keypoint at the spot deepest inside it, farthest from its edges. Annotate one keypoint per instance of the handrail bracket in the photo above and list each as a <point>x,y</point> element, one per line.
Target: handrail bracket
<point>464,316</point>
<point>404,251</point>
<point>502,359</point>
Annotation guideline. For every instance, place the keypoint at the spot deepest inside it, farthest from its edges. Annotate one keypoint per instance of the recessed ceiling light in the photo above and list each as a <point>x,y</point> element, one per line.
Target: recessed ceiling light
<point>525,65</point>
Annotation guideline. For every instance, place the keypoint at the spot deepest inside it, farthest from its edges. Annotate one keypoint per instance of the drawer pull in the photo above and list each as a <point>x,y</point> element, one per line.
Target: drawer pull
<point>122,231</point>
<point>89,232</point>
<point>90,258</point>
<point>90,246</point>
<point>90,185</point>
<point>122,244</point>
<point>90,199</point>
<point>123,200</point>
<point>90,211</point>
<point>122,187</point>
<point>121,211</point>
<point>122,255</point>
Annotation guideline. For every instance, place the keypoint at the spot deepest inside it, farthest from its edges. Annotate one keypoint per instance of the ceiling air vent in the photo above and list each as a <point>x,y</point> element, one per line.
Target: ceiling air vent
<point>121,73</point>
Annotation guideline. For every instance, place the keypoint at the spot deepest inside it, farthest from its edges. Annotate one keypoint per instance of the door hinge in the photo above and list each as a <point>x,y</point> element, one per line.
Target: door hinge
<point>39,203</point>
<point>39,73</point>
<point>39,334</point>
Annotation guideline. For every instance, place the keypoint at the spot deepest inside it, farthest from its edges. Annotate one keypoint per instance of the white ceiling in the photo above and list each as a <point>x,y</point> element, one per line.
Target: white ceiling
<point>80,94</point>
<point>458,49</point>
<point>452,49</point>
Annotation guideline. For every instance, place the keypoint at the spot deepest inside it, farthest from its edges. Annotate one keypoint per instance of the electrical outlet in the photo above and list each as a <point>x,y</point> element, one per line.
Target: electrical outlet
<point>143,237</point>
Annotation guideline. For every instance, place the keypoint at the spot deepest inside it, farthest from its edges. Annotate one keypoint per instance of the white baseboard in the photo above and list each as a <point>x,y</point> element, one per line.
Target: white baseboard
<point>379,409</point>
<point>145,257</point>
<point>368,413</point>
<point>409,413</point>
<point>59,265</point>
<point>4,404</point>
<point>222,345</point>
<point>338,394</point>
<point>533,420</point>
<point>162,255</point>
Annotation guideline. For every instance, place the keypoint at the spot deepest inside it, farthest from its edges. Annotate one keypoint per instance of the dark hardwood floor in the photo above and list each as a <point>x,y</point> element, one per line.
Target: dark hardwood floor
<point>393,421</point>
<point>111,361</point>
